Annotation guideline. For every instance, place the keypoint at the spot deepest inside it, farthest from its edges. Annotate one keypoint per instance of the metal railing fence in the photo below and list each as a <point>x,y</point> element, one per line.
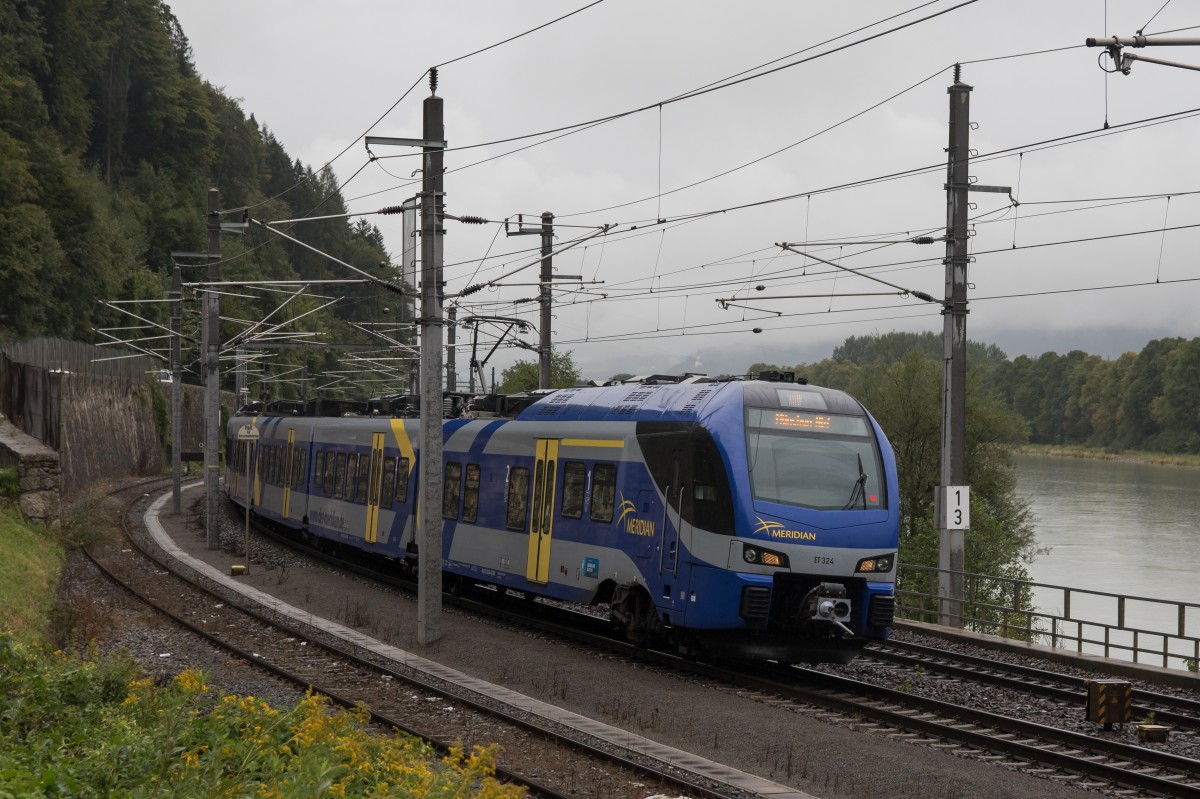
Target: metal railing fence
<point>1140,629</point>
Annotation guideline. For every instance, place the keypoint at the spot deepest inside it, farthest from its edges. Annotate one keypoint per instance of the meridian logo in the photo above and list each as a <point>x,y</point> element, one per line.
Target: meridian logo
<point>631,523</point>
<point>777,530</point>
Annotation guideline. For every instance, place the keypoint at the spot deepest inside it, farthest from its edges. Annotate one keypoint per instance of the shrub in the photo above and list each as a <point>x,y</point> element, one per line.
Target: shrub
<point>83,725</point>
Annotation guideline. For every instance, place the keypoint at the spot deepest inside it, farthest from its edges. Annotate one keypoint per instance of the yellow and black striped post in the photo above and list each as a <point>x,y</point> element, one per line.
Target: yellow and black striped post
<point>1109,702</point>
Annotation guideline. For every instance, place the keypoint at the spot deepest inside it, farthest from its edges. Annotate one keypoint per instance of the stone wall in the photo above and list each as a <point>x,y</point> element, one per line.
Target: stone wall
<point>111,428</point>
<point>38,473</point>
<point>108,431</point>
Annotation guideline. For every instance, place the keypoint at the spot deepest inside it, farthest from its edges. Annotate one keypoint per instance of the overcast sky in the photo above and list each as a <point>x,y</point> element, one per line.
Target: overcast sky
<point>320,74</point>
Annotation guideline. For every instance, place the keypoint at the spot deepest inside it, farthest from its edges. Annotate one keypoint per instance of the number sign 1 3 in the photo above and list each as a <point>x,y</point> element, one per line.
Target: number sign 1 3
<point>954,505</point>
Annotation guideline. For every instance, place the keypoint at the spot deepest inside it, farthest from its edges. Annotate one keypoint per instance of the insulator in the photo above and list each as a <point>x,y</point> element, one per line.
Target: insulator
<point>469,290</point>
<point>472,220</point>
<point>433,80</point>
<point>392,209</point>
<point>923,240</point>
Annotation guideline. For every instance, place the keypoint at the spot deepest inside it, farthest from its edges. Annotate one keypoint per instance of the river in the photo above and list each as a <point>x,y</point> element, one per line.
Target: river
<point>1116,526</point>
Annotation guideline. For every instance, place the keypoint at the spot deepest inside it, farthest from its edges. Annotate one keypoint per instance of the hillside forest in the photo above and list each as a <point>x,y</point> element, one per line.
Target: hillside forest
<point>109,144</point>
<point>110,141</point>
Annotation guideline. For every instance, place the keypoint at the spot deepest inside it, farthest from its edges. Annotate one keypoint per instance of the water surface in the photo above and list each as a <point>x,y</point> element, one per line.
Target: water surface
<point>1119,526</point>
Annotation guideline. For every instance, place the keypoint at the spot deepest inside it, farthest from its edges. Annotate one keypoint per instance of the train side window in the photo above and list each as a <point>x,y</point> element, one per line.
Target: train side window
<point>364,477</point>
<point>604,490</point>
<point>319,471</point>
<point>538,472</point>
<point>329,461</point>
<point>402,480</point>
<point>471,493</point>
<point>299,472</point>
<point>351,475</point>
<point>452,490</point>
<point>518,498</point>
<point>339,476</point>
<point>574,482</point>
<point>389,482</point>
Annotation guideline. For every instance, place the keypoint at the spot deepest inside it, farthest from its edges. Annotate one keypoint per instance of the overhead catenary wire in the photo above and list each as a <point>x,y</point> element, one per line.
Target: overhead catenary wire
<point>725,84</point>
<point>479,263</point>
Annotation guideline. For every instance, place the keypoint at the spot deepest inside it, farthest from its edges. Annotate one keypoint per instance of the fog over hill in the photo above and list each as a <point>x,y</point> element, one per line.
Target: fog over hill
<point>696,355</point>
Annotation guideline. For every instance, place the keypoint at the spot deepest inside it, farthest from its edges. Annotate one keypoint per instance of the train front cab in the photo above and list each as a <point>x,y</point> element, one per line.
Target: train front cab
<point>789,522</point>
<point>823,524</point>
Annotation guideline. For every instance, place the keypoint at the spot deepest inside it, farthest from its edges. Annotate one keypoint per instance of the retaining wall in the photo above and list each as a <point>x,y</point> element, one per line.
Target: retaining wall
<point>38,472</point>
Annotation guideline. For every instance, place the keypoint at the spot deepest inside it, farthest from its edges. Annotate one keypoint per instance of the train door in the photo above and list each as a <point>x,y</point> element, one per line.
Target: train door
<point>287,474</point>
<point>541,527</point>
<point>668,553</point>
<point>375,479</point>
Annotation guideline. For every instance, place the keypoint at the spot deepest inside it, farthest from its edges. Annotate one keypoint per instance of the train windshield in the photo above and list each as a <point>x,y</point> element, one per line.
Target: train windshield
<point>814,459</point>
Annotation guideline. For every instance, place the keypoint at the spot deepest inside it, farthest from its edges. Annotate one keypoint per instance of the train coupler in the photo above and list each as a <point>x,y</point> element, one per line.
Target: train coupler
<point>827,602</point>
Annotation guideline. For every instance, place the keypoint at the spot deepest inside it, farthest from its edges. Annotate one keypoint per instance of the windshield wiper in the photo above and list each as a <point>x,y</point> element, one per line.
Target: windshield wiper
<point>858,492</point>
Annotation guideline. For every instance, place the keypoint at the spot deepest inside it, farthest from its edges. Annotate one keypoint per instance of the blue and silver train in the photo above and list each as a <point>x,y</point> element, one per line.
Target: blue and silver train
<point>755,519</point>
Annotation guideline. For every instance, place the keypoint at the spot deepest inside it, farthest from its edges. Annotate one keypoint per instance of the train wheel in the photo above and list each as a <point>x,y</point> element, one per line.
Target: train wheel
<point>634,614</point>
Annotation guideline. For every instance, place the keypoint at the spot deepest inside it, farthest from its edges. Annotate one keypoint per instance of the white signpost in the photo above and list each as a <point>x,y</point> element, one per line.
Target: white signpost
<point>954,507</point>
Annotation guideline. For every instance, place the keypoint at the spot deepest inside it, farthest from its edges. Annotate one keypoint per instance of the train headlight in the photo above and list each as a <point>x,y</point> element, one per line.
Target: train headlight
<point>764,557</point>
<point>876,565</point>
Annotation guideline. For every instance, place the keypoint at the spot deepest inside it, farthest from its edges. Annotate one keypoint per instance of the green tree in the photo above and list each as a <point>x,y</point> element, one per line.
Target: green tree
<point>1177,408</point>
<point>1136,427</point>
<point>523,375</point>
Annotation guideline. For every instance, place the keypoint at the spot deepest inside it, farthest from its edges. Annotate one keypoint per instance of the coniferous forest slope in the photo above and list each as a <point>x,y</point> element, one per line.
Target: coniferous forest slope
<point>109,143</point>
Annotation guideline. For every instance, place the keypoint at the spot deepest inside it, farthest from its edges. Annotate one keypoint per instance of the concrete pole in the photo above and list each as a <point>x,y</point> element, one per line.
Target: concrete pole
<point>429,593</point>
<point>212,378</point>
<point>546,297</point>
<point>451,364</point>
<point>176,387</point>
<point>951,556</point>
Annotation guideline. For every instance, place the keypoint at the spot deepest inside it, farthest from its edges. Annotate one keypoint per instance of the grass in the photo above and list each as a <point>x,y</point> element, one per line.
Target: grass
<point>1070,451</point>
<point>30,562</point>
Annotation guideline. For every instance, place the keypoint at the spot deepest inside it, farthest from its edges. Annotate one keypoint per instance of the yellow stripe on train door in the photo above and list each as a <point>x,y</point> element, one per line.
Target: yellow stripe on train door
<point>541,526</point>
<point>375,472</point>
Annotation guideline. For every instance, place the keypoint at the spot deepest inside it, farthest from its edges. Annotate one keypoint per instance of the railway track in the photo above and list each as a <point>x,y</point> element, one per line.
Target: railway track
<point>1091,761</point>
<point>1082,760</point>
<point>1178,712</point>
<point>398,697</point>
